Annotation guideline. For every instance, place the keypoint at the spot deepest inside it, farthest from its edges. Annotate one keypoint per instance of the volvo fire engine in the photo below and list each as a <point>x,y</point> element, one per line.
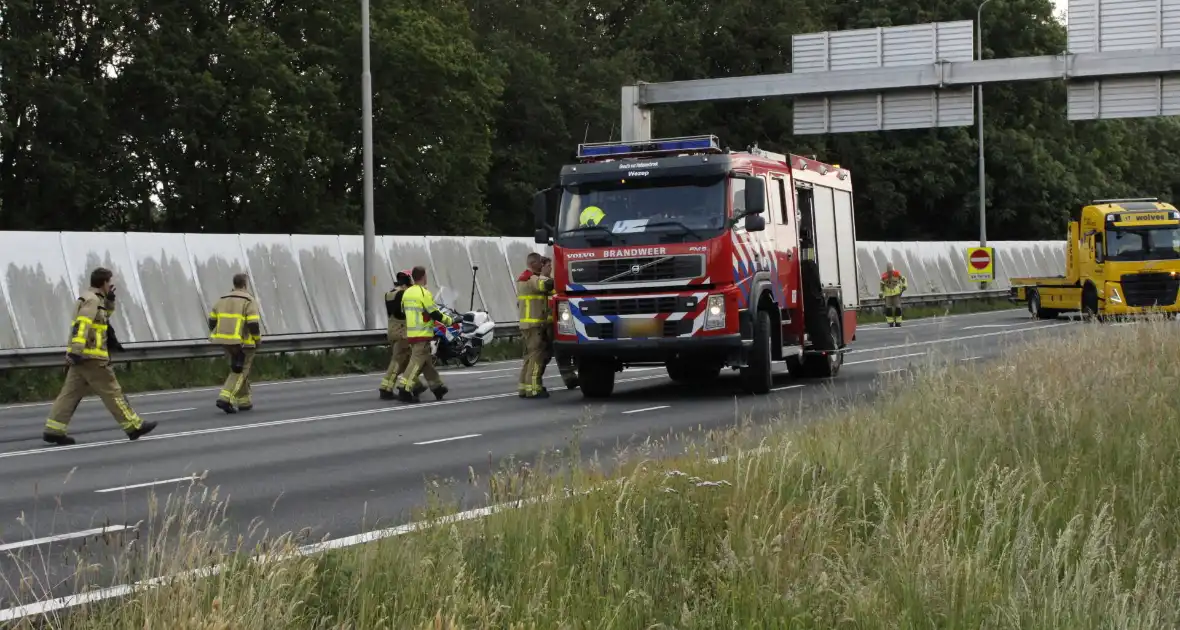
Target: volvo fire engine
<point>679,253</point>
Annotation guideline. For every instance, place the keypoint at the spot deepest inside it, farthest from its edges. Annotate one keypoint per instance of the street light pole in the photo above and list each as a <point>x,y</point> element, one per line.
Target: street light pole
<point>367,132</point>
<point>979,105</point>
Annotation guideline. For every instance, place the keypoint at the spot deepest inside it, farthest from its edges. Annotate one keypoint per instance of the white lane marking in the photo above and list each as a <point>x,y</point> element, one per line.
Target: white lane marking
<point>450,439</point>
<point>148,484</point>
<point>152,413</point>
<point>648,409</point>
<point>971,358</point>
<point>779,389</point>
<point>892,371</point>
<point>939,319</point>
<point>963,338</point>
<point>879,359</point>
<point>52,539</point>
<point>275,423</point>
<point>991,326</point>
<point>302,381</point>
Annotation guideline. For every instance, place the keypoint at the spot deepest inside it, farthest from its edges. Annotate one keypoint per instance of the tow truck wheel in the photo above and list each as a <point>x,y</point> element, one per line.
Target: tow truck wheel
<point>596,378</point>
<point>756,376</point>
<point>1038,311</point>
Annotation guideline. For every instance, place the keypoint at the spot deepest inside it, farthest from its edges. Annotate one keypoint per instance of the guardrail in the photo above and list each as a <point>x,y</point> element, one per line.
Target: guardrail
<point>276,344</point>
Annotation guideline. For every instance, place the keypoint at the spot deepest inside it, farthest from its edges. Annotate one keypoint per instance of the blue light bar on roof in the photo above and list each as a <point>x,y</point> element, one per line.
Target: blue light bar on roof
<point>709,144</point>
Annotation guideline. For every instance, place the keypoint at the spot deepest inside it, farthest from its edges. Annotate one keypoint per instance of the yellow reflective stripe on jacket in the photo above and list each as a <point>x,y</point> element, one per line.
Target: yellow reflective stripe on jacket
<point>100,336</point>
<point>527,308</point>
<point>238,320</point>
<point>81,325</point>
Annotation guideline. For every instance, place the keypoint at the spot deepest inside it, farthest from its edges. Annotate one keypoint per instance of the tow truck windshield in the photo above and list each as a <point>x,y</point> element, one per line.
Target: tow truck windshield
<point>1131,244</point>
<point>642,211</point>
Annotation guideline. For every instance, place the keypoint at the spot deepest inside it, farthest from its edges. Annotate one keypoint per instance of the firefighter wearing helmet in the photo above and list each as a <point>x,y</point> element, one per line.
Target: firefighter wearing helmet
<point>892,286</point>
<point>398,342</point>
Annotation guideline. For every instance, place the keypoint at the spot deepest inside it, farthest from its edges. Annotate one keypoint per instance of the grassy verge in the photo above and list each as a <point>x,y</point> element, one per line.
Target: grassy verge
<point>1040,491</point>
<point>44,384</point>
<point>940,310</point>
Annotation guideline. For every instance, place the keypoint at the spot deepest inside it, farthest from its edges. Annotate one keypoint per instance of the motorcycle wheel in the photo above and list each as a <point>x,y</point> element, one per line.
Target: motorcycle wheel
<point>469,356</point>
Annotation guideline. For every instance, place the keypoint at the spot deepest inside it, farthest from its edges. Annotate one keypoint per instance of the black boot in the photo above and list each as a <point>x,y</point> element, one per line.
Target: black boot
<point>58,439</point>
<point>405,396</point>
<point>440,391</point>
<point>387,395</point>
<point>143,430</point>
<point>226,406</point>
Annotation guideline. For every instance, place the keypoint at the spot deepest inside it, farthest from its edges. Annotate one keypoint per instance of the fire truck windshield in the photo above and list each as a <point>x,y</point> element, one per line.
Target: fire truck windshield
<point>1158,243</point>
<point>642,211</point>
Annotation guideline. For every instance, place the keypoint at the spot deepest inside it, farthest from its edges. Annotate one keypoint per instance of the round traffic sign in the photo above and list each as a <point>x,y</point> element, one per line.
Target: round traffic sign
<point>980,259</point>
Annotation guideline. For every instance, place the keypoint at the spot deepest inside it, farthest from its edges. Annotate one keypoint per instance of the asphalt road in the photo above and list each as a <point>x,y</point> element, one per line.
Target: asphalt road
<point>326,456</point>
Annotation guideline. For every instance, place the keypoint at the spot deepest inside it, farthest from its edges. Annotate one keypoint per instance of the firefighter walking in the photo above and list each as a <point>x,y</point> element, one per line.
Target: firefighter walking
<point>565,363</point>
<point>532,297</point>
<point>88,363</point>
<point>421,312</point>
<point>892,286</point>
<point>399,344</point>
<point>236,325</point>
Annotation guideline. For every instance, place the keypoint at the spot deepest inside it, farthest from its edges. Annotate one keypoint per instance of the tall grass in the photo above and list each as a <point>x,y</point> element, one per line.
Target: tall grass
<point>1039,491</point>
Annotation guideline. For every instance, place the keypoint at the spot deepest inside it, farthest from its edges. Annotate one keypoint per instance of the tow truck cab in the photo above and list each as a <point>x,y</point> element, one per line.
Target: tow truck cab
<point>1122,258</point>
<point>675,252</point>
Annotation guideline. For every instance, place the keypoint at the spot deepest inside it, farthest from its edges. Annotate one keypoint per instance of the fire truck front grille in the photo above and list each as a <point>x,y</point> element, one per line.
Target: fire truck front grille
<point>1150,289</point>
<point>609,330</point>
<point>640,306</point>
<point>646,269</point>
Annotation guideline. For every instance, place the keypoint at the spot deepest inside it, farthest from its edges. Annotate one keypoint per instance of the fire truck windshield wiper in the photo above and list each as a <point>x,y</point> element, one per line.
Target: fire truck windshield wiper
<point>687,230</point>
<point>610,235</point>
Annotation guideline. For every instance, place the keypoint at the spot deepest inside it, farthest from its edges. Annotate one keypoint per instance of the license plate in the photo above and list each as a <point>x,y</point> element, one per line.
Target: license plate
<point>639,328</point>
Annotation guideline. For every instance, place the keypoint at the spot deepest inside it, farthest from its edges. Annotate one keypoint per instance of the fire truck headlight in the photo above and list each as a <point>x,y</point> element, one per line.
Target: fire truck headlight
<point>715,312</point>
<point>565,319</point>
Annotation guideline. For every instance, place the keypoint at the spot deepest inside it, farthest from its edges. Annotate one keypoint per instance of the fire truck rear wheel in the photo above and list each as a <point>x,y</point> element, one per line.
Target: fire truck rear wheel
<point>757,377</point>
<point>596,378</point>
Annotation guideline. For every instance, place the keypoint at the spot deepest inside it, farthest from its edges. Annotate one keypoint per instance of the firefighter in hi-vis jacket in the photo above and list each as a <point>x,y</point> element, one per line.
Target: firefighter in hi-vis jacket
<point>565,364</point>
<point>892,286</point>
<point>399,343</point>
<point>421,313</point>
<point>236,325</point>
<point>88,364</point>
<point>532,297</point>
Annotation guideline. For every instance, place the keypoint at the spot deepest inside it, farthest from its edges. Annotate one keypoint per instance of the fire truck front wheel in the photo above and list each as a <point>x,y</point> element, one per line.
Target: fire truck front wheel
<point>757,377</point>
<point>596,377</point>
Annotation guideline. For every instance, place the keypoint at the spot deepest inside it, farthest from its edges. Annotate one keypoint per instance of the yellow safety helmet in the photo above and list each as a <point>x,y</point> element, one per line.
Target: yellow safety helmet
<point>591,215</point>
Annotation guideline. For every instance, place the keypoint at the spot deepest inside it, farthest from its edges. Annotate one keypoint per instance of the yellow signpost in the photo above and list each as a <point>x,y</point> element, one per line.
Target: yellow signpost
<point>981,264</point>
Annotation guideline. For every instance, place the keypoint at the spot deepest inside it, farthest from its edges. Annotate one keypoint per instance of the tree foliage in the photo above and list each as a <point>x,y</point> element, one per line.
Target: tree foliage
<point>245,115</point>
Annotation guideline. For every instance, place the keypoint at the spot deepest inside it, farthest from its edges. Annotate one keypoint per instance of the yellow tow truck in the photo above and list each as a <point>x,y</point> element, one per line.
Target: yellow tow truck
<point>1122,258</point>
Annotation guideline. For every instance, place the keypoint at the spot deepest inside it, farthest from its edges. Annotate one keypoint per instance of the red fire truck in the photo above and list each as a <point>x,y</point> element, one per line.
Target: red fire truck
<point>678,253</point>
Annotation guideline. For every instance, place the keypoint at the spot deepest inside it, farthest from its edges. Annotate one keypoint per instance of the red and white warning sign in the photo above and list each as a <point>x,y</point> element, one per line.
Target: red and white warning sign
<point>981,264</point>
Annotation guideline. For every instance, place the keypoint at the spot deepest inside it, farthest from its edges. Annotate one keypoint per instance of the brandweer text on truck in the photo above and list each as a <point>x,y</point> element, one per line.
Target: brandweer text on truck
<point>1122,257</point>
<point>678,253</point>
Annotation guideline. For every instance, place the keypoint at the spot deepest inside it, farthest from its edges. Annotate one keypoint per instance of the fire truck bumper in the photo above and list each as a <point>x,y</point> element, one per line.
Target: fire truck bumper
<point>657,350</point>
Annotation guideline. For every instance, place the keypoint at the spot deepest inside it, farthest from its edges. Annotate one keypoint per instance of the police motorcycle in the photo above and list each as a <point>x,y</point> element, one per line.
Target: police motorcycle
<point>466,337</point>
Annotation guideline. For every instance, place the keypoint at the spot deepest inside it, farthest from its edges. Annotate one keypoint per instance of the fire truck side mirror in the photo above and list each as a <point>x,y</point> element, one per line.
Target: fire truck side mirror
<point>540,209</point>
<point>755,223</point>
<point>755,195</point>
<point>541,236</point>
